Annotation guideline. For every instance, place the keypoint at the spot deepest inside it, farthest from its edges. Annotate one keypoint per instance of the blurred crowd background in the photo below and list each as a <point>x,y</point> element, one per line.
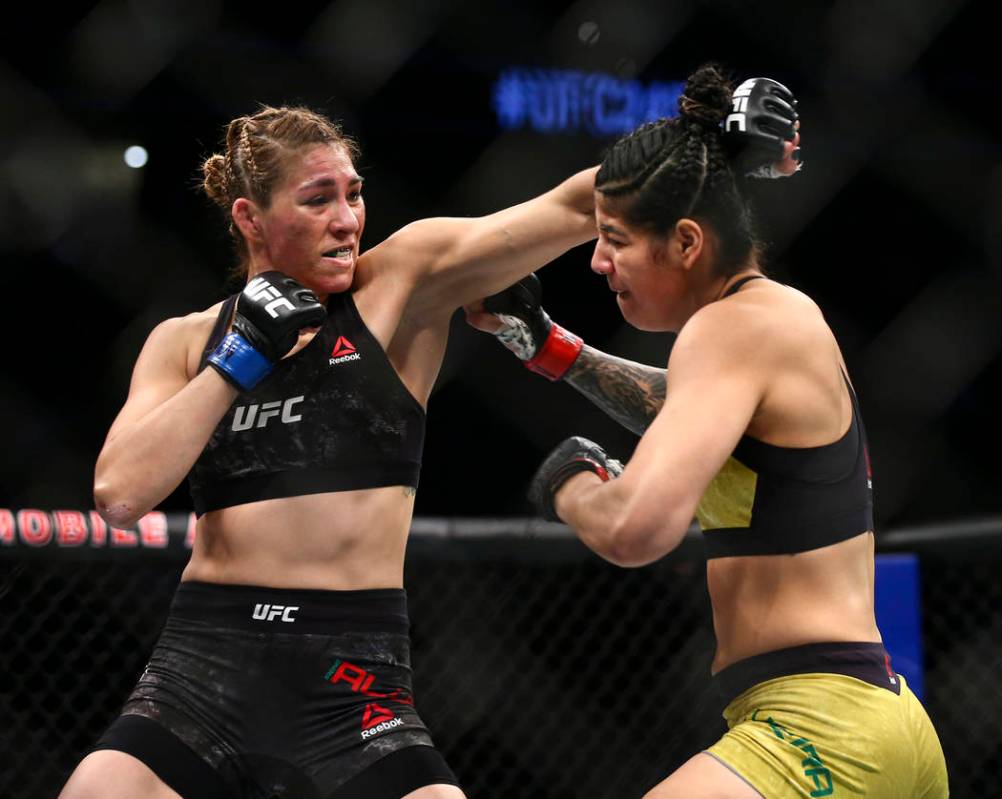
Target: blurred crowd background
<point>463,108</point>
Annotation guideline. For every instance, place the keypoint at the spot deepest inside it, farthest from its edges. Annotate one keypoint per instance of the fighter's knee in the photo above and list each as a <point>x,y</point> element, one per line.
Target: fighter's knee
<point>107,774</point>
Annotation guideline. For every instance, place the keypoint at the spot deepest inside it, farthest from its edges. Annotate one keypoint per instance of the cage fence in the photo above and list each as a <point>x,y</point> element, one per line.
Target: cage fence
<point>542,671</point>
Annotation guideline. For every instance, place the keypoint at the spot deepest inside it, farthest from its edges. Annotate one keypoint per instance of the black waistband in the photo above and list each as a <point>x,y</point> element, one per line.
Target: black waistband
<point>788,536</point>
<point>300,482</point>
<point>291,610</point>
<point>865,661</point>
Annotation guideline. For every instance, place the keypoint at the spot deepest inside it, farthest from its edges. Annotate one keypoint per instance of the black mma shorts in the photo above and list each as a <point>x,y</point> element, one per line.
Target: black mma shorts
<point>264,692</point>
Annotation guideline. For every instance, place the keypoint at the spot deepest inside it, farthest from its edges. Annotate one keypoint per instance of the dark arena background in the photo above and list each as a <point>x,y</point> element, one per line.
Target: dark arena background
<point>541,670</point>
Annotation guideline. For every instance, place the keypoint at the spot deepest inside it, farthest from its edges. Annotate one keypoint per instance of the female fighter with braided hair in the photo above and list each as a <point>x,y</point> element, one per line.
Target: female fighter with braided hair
<point>296,409</point>
<point>755,430</point>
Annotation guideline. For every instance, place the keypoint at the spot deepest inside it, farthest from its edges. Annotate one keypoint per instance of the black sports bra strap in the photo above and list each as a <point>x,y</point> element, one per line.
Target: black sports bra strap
<point>219,328</point>
<point>852,393</point>
<point>740,283</point>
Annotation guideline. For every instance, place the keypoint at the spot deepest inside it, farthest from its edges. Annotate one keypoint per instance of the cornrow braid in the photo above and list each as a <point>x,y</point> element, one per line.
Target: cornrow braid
<point>694,161</point>
<point>245,156</point>
<point>646,146</point>
<point>728,212</point>
<point>671,169</point>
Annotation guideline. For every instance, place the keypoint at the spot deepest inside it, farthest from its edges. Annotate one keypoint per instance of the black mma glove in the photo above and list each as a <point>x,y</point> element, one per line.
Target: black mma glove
<point>527,330</point>
<point>574,455</point>
<point>271,311</point>
<point>762,119</point>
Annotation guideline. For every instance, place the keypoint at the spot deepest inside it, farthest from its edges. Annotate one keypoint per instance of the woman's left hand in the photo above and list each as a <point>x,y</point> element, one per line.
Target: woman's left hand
<point>790,162</point>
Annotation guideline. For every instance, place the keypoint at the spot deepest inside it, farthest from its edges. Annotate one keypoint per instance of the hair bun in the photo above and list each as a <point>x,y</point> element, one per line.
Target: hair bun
<point>706,98</point>
<point>216,180</point>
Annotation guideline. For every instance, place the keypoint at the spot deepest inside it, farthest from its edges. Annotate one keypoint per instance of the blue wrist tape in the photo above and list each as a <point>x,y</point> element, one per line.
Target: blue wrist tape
<point>239,362</point>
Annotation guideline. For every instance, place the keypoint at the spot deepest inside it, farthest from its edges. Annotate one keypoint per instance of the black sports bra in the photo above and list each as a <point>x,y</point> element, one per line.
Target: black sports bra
<point>769,500</point>
<point>333,417</point>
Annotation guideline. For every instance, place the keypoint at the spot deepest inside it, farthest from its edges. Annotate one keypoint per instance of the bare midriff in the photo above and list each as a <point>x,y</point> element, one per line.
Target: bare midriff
<point>766,602</point>
<point>348,540</point>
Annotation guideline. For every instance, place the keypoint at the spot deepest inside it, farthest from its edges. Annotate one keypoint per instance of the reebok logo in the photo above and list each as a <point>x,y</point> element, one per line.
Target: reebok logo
<point>272,612</point>
<point>343,351</point>
<point>342,347</point>
<point>377,719</point>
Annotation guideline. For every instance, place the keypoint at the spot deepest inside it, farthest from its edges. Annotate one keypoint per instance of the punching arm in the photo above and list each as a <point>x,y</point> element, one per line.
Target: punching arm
<point>631,393</point>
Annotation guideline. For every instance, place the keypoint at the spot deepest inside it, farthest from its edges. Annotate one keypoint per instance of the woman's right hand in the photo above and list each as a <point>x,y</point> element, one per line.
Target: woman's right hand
<point>272,311</point>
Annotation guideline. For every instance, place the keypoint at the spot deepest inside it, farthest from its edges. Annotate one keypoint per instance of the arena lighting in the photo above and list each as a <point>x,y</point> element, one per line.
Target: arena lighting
<point>136,156</point>
<point>567,101</point>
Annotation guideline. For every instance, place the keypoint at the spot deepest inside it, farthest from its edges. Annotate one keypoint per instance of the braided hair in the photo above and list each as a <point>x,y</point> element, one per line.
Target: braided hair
<point>674,168</point>
<point>258,149</point>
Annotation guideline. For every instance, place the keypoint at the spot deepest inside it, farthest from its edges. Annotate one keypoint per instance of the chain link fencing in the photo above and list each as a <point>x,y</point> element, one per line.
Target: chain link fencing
<point>542,671</point>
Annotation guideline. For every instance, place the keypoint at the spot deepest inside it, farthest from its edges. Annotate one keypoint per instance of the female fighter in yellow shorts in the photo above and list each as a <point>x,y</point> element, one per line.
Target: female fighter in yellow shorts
<point>754,429</point>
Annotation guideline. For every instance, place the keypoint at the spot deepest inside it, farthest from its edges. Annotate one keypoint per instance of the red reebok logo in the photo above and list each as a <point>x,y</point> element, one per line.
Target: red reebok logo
<point>342,347</point>
<point>343,351</point>
<point>375,714</point>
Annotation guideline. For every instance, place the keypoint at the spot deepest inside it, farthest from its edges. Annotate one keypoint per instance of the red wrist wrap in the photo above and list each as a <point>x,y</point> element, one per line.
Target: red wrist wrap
<point>558,352</point>
<point>596,468</point>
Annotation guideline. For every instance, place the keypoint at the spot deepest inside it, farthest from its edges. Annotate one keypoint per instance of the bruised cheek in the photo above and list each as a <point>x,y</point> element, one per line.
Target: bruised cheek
<point>293,238</point>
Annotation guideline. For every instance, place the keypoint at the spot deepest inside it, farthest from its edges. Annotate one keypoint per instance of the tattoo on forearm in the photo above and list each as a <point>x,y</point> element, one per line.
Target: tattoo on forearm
<point>631,393</point>
<point>410,491</point>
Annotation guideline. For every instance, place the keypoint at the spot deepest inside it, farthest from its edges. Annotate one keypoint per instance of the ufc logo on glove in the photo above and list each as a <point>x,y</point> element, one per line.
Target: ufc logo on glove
<point>260,290</point>
<point>737,117</point>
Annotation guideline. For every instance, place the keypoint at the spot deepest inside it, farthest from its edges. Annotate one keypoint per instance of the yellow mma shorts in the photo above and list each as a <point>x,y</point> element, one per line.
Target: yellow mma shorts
<point>840,723</point>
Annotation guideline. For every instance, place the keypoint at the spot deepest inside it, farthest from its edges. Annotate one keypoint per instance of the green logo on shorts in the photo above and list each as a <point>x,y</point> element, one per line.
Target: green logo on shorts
<point>812,764</point>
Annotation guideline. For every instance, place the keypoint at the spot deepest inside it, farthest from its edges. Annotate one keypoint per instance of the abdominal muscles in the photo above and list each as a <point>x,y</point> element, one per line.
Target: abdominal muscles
<point>345,540</point>
<point>766,602</point>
